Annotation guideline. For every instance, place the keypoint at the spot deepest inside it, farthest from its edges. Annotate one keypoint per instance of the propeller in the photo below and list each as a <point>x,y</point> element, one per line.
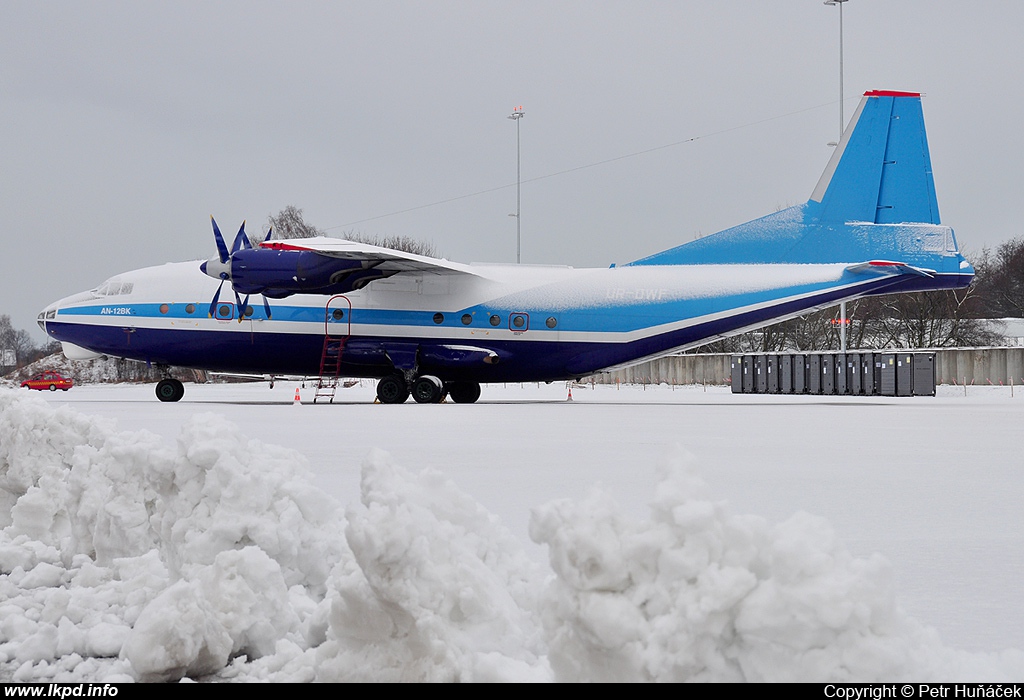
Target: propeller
<point>220,267</point>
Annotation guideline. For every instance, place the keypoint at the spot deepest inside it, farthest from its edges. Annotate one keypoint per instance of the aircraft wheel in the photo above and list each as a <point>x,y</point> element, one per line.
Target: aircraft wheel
<point>53,387</point>
<point>427,389</point>
<point>464,392</point>
<point>170,390</point>
<point>392,389</point>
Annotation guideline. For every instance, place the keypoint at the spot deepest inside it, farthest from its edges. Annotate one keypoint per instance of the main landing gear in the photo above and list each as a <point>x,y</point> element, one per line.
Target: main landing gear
<point>394,388</point>
<point>427,389</point>
<point>464,392</point>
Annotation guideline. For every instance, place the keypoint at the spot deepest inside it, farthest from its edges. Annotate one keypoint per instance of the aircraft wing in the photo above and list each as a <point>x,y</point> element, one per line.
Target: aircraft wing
<point>382,259</point>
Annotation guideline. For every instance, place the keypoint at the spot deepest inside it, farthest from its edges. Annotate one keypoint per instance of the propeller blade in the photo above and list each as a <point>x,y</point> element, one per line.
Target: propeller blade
<point>241,305</point>
<point>222,248</point>
<point>216,298</point>
<point>269,233</point>
<point>241,240</point>
<point>266,306</point>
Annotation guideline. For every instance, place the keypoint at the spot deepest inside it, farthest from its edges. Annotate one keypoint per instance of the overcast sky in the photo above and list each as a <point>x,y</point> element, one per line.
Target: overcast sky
<point>125,125</point>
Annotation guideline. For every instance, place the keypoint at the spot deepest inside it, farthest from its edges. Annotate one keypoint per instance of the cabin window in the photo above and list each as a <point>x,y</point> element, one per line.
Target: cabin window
<point>164,308</point>
<point>190,309</point>
<point>224,311</point>
<point>466,319</point>
<point>439,317</point>
<point>518,321</point>
<point>248,312</point>
<point>495,320</point>
<point>551,322</point>
<point>337,314</point>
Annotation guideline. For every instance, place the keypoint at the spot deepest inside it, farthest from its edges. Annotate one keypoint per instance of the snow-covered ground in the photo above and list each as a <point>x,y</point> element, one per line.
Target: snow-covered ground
<point>630,534</point>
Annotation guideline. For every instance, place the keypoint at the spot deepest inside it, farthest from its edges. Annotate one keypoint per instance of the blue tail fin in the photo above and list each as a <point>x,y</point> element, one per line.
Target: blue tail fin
<point>875,201</point>
<point>881,172</point>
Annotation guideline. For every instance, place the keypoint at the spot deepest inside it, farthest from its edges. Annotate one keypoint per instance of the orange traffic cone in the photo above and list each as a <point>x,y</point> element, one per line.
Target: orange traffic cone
<point>570,392</point>
<point>298,399</point>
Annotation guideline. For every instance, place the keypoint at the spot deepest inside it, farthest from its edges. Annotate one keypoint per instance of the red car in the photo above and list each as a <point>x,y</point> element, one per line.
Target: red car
<point>48,380</point>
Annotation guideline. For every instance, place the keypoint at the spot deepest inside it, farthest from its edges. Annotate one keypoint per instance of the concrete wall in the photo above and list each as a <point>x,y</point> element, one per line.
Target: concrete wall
<point>675,369</point>
<point>980,366</point>
<point>953,366</point>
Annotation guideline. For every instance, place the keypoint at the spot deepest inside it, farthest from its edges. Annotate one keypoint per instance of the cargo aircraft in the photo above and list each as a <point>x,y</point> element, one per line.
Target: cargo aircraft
<point>434,328</point>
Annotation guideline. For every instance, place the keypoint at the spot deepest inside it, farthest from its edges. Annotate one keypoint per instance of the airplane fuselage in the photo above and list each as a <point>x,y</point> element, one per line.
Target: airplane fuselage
<point>503,323</point>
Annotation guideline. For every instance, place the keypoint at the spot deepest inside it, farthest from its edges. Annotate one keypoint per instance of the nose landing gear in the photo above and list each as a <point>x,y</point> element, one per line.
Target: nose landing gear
<point>169,389</point>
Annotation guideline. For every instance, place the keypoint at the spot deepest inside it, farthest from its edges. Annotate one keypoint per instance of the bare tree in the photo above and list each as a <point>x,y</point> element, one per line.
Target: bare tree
<point>407,244</point>
<point>1000,280</point>
<point>288,223</point>
<point>815,330</point>
<point>930,320</point>
<point>916,320</point>
<point>18,341</point>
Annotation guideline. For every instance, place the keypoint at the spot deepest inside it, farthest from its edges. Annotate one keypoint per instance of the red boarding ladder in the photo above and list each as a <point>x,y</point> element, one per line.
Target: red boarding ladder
<point>330,366</point>
<point>337,318</point>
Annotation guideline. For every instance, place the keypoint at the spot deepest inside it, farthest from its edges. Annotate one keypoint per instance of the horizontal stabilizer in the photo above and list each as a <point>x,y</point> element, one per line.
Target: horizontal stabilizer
<point>888,267</point>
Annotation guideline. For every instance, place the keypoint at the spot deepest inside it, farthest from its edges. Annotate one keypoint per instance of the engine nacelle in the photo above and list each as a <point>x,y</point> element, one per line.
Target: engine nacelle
<point>281,273</point>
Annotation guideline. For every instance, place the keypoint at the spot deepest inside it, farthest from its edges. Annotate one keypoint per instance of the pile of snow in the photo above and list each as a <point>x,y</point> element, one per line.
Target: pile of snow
<point>697,594</point>
<point>124,558</point>
<point>439,590</point>
<point>171,561</point>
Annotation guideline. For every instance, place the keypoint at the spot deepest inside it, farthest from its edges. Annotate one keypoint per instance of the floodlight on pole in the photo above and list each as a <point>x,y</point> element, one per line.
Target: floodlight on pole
<point>842,123</point>
<point>516,115</point>
<point>843,321</point>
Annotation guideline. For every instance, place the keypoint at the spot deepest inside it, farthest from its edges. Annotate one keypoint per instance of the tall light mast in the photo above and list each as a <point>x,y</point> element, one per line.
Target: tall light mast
<point>843,320</point>
<point>516,115</point>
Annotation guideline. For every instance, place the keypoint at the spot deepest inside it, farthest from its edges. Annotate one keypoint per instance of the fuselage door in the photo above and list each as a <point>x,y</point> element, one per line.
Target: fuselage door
<point>338,317</point>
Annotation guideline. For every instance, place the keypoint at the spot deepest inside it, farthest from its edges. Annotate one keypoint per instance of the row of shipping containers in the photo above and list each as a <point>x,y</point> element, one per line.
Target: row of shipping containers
<point>852,374</point>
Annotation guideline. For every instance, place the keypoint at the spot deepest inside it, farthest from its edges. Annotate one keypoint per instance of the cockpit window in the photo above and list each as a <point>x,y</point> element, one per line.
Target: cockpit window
<point>113,287</point>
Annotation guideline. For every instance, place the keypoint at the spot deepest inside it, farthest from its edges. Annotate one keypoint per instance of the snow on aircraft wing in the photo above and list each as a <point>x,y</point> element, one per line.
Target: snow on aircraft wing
<point>384,259</point>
